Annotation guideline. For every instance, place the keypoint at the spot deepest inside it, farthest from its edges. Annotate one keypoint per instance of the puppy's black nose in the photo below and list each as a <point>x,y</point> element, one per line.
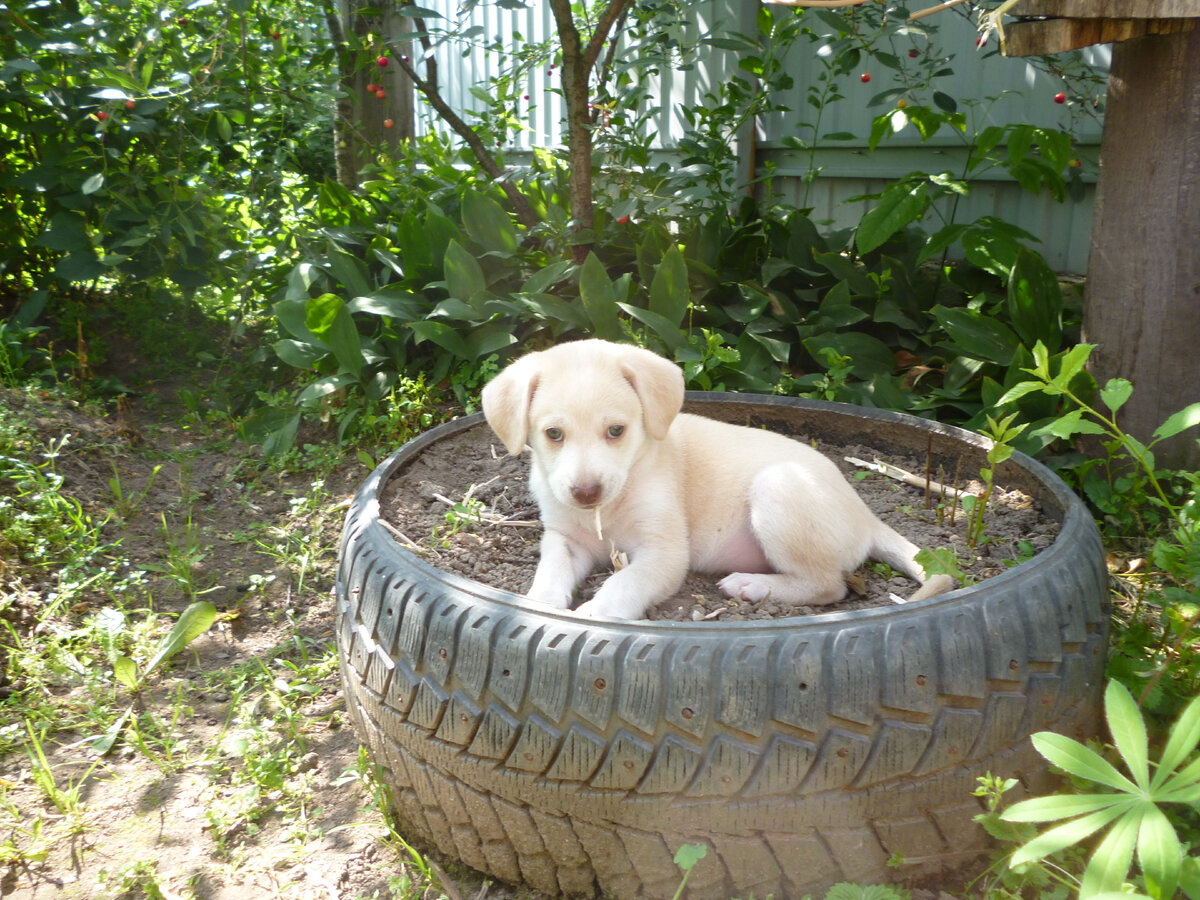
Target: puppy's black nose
<point>586,495</point>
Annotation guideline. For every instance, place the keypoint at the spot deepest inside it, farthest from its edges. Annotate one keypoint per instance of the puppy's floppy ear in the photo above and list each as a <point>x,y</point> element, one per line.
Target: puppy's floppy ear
<point>506,402</point>
<point>659,385</point>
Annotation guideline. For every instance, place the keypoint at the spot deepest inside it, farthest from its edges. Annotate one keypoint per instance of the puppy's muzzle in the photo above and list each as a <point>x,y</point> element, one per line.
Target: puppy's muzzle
<point>586,495</point>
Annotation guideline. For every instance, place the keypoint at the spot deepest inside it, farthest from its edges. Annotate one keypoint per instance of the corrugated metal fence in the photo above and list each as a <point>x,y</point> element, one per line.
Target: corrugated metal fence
<point>991,89</point>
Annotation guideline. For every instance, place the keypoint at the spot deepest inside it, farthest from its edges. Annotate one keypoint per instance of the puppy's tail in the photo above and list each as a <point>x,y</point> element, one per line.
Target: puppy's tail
<point>900,553</point>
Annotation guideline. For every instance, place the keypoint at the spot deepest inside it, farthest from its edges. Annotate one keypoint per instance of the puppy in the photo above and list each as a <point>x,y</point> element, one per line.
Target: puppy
<point>616,467</point>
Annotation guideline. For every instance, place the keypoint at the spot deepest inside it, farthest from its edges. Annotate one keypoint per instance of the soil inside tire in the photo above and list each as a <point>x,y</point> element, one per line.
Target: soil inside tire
<point>464,505</point>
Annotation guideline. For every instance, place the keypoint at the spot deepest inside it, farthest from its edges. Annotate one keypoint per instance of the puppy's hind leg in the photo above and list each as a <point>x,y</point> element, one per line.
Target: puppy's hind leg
<point>808,534</point>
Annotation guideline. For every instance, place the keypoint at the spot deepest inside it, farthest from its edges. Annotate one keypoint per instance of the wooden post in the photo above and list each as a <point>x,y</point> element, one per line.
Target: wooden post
<point>1142,298</point>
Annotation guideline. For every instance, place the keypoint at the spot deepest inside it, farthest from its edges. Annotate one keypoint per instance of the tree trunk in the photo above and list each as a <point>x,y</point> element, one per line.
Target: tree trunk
<point>363,120</point>
<point>1142,303</point>
<point>576,73</point>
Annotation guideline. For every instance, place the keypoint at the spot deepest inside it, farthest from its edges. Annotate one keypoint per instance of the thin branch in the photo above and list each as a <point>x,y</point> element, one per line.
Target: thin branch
<point>484,156</point>
<point>604,25</point>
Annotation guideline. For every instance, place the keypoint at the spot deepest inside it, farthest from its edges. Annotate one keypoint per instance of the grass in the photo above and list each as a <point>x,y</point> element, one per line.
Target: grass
<point>99,576</point>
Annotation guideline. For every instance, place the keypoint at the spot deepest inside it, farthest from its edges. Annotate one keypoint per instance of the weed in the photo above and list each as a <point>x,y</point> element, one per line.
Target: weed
<point>686,858</point>
<point>1129,808</point>
<point>184,555</point>
<point>1002,432</point>
<point>942,561</point>
<point>67,800</point>
<point>137,878</point>
<point>128,503</point>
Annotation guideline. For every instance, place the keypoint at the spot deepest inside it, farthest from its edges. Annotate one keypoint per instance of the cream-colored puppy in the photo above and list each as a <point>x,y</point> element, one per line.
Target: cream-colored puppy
<point>617,466</point>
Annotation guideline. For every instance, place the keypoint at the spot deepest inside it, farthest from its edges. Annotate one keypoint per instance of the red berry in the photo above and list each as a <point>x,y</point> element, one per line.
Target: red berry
<point>383,61</point>
<point>1077,164</point>
<point>623,220</point>
<point>277,36</point>
<point>388,123</point>
<point>1060,98</point>
<point>526,96</point>
<point>372,87</point>
<point>913,54</point>
<point>102,115</point>
<point>864,77</point>
<point>381,94</point>
<point>129,104</point>
<point>980,41</point>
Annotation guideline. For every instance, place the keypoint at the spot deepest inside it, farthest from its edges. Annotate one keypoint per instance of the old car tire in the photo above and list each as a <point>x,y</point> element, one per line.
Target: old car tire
<point>576,756</point>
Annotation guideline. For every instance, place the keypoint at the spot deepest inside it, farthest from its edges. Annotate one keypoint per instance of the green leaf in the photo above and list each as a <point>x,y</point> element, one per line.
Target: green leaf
<point>1035,300</point>
<point>1128,731</point>
<point>543,279</point>
<point>1017,391</point>
<point>1068,834</point>
<point>1068,425</point>
<point>1186,418</point>
<point>125,671</point>
<point>93,183</point>
<point>80,265</point>
<point>66,231</point>
<point>1184,737</point>
<point>323,387</point>
<point>664,328</point>
<point>1159,853</point>
<point>1079,760</point>
<point>1072,364</point>
<point>193,622</point>
<point>868,355</point>
<point>670,295</point>
<point>350,272</point>
<point>1189,879</point>
<point>488,224</point>
<point>441,334</point>
<point>1060,806</point>
<point>899,205</point>
<point>688,855</point>
<point>464,276</point>
<point>554,309</point>
<point>599,299</point>
<point>1116,392</point>
<point>400,308</point>
<point>320,312</point>
<point>1110,861</point>
<point>977,335</point>
<point>299,354</point>
<point>346,343</point>
<point>945,102</point>
<point>103,744</point>
<point>224,128</point>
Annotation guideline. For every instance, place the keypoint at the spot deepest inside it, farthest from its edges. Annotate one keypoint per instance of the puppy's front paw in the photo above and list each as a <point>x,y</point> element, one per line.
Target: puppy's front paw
<point>745,586</point>
<point>605,609</point>
<point>553,597</point>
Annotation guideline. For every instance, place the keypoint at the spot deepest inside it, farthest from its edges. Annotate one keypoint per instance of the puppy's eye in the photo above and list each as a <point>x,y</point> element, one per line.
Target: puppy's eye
<point>554,435</point>
<point>615,431</point>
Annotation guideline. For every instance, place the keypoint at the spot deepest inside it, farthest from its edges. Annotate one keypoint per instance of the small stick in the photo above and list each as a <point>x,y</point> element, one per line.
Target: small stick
<point>922,13</point>
<point>900,475</point>
<point>405,539</point>
<point>928,463</point>
<point>954,506</point>
<point>824,4</point>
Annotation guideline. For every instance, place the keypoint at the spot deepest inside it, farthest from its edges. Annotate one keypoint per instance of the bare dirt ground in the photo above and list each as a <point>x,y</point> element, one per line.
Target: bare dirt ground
<point>236,774</point>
